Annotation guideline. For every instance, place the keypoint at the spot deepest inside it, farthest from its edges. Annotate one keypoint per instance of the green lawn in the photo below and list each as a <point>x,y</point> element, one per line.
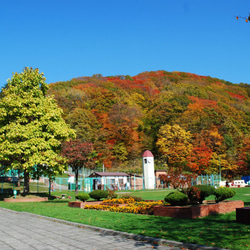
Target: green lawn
<point>34,186</point>
<point>156,194</point>
<point>218,230</point>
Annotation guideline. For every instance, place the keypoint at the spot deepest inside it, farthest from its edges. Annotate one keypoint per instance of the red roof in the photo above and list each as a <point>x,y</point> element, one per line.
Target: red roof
<point>147,153</point>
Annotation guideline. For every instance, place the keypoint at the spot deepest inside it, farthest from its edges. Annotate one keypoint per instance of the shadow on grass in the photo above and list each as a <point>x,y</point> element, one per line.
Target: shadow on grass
<point>215,230</point>
<point>57,201</point>
<point>8,193</point>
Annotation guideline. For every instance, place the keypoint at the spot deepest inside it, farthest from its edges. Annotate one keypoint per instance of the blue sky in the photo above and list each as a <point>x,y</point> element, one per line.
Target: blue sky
<point>67,39</point>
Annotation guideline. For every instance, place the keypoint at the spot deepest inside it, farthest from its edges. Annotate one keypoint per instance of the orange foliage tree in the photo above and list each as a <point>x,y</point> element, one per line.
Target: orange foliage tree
<point>124,115</point>
<point>199,159</point>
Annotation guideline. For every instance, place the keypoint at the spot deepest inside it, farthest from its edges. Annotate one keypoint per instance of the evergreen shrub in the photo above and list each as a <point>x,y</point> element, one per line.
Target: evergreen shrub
<point>223,193</point>
<point>98,194</point>
<point>82,197</point>
<point>176,198</point>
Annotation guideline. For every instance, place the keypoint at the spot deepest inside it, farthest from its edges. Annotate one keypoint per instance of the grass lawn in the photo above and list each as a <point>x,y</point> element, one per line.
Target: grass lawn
<point>217,230</point>
<point>34,186</point>
<point>156,194</point>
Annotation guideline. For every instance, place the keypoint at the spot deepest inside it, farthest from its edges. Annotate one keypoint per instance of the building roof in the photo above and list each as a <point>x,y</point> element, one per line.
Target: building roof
<point>101,174</point>
<point>147,153</point>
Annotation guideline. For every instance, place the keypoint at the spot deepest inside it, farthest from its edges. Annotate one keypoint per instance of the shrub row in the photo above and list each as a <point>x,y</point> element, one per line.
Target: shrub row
<point>102,194</point>
<point>197,194</point>
<point>96,195</point>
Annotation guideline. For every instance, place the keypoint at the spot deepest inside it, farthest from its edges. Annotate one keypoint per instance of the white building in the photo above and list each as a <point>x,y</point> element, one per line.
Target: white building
<point>148,170</point>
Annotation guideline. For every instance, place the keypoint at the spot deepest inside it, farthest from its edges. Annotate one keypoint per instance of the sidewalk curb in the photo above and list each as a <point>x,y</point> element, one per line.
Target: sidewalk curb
<point>155,241</point>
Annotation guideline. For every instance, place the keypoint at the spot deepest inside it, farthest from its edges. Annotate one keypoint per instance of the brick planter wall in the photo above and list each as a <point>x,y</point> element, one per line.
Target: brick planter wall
<point>243,215</point>
<point>191,212</point>
<point>38,199</point>
<point>81,204</point>
<point>78,204</point>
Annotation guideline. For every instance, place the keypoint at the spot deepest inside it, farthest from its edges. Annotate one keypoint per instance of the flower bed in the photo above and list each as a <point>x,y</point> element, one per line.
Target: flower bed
<point>119,201</point>
<point>191,212</point>
<point>141,207</point>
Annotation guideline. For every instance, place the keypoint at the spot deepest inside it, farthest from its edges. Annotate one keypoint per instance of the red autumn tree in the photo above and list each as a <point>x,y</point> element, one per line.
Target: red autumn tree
<point>78,155</point>
<point>199,158</point>
<point>177,179</point>
<point>244,157</point>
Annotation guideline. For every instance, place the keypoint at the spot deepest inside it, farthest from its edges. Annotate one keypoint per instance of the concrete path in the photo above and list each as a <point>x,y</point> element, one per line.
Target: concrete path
<point>25,231</point>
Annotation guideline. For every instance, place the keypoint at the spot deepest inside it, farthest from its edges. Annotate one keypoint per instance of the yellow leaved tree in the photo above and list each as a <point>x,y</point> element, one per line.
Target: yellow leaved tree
<point>174,144</point>
<point>31,127</point>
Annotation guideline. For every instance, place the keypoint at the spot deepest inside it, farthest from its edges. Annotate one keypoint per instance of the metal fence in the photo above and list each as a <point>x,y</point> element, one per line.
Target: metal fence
<point>209,180</point>
<point>88,184</point>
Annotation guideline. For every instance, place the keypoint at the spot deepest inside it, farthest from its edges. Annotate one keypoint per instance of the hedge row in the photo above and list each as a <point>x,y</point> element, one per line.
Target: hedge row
<point>197,194</point>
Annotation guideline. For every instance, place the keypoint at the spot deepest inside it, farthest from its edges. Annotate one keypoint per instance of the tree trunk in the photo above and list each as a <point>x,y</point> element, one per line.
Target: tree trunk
<point>18,181</point>
<point>26,187</point>
<point>49,187</point>
<point>76,175</point>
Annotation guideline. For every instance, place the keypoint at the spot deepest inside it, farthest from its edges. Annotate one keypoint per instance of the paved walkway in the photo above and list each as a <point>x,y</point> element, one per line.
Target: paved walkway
<point>24,231</point>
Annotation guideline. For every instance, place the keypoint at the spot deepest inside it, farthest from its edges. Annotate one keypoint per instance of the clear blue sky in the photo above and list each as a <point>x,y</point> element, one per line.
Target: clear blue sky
<point>72,38</point>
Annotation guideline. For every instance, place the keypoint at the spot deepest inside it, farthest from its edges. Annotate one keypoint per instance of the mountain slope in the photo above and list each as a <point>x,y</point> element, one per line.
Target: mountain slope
<point>122,116</point>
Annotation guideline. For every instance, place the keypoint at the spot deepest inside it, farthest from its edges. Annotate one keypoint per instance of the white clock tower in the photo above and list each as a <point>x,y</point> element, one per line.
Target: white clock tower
<point>148,170</point>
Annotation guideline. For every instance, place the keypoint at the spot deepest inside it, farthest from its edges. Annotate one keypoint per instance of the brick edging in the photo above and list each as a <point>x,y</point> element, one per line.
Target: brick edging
<point>191,212</point>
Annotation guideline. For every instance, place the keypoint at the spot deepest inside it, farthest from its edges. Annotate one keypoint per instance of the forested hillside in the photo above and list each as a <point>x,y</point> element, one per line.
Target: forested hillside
<point>199,122</point>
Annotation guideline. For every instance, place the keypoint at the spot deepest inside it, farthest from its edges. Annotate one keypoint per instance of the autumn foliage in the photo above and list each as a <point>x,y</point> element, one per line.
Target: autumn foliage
<point>198,122</point>
<point>78,155</point>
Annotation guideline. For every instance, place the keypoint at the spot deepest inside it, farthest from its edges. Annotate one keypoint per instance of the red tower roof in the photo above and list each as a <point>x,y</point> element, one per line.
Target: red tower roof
<point>147,153</point>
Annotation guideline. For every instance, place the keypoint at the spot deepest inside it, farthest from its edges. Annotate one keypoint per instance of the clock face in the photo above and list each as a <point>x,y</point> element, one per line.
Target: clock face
<point>149,160</point>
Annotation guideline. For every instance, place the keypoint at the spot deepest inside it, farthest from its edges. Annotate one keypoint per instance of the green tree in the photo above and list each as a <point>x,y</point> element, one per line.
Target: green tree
<point>31,126</point>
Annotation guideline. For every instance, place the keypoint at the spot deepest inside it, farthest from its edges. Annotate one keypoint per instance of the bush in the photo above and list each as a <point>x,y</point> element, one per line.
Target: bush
<point>205,191</point>
<point>223,193</point>
<point>198,193</point>
<point>193,194</point>
<point>82,197</point>
<point>176,198</point>
<point>98,194</point>
<point>112,194</point>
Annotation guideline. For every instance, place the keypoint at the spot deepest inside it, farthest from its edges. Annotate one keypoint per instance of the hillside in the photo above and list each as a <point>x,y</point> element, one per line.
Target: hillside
<point>123,116</point>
